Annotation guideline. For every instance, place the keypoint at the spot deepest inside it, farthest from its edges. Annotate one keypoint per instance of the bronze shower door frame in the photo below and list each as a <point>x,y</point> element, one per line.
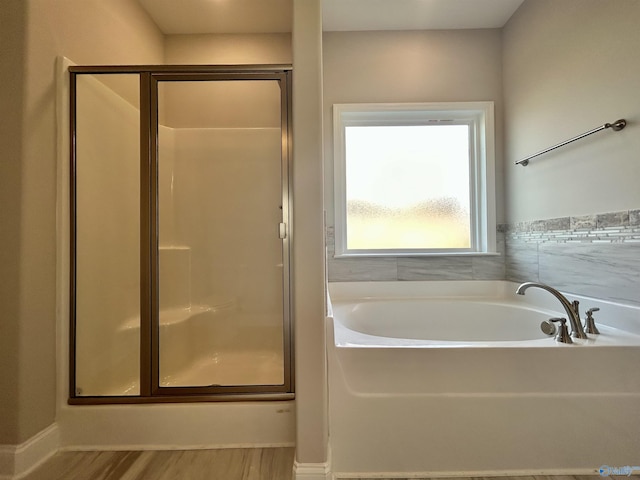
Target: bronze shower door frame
<point>150,389</point>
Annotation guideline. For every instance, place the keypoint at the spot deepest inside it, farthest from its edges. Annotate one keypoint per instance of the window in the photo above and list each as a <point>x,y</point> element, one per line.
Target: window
<point>414,179</point>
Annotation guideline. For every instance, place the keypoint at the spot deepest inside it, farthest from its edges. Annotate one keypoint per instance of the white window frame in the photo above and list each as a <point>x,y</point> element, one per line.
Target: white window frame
<point>480,118</point>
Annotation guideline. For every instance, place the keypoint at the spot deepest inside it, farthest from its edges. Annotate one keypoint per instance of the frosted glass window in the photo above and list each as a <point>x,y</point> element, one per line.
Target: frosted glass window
<point>407,187</point>
<point>414,179</point>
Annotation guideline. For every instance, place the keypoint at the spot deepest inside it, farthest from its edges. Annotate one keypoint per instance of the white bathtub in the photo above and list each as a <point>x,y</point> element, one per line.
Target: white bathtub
<point>456,378</point>
<point>453,323</point>
<point>438,321</point>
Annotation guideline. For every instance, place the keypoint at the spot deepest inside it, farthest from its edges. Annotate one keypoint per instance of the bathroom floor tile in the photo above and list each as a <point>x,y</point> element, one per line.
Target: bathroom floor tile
<point>221,464</point>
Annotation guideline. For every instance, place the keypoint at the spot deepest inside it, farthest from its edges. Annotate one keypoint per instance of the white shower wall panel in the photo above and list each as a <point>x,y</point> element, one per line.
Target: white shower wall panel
<point>221,179</point>
<point>166,178</point>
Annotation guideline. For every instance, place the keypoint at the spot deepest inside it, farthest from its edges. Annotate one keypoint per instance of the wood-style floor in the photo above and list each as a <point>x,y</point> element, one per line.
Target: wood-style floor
<point>223,464</point>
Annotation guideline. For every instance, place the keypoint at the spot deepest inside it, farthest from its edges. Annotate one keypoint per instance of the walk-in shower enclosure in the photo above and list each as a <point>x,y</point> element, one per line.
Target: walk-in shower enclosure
<point>180,233</point>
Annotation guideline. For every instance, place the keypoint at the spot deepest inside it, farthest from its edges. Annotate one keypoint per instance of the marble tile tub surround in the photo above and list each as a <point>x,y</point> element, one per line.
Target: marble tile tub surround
<point>591,255</point>
<point>358,269</point>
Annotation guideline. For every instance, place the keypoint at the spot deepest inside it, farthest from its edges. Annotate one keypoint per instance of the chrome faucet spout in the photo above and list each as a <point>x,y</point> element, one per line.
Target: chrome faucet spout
<point>574,318</point>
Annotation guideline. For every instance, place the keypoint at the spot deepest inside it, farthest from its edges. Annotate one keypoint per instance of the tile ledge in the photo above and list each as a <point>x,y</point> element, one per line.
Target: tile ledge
<point>417,255</point>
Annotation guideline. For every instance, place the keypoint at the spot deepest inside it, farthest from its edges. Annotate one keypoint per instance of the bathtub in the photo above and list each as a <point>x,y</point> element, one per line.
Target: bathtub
<point>456,378</point>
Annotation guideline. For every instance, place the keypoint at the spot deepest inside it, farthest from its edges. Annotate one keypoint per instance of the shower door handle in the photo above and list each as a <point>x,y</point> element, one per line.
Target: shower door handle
<point>282,228</point>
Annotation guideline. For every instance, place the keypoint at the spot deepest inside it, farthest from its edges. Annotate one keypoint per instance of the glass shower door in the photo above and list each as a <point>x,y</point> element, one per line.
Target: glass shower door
<point>221,282</point>
<point>105,209</point>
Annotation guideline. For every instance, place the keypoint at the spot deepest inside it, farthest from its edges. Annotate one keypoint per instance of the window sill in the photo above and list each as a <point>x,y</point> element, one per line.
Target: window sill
<point>414,255</point>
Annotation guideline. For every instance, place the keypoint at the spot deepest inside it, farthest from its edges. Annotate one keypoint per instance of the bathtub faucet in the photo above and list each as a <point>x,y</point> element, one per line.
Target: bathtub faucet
<point>574,317</point>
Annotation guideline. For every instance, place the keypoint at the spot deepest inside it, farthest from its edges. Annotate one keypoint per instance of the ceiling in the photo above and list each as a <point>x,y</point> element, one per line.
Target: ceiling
<point>345,15</point>
<point>275,16</point>
<point>220,16</point>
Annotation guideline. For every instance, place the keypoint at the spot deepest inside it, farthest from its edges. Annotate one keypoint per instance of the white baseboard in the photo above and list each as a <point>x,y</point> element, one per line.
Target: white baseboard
<point>16,461</point>
<point>311,471</point>
<point>469,474</point>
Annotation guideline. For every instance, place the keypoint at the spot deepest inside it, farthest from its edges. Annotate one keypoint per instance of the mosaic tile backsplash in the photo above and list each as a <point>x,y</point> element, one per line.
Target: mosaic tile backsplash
<point>593,255</point>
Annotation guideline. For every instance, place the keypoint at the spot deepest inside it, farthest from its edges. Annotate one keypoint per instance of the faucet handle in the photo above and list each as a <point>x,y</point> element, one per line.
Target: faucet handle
<point>563,334</point>
<point>548,328</point>
<point>576,307</point>
<point>589,322</point>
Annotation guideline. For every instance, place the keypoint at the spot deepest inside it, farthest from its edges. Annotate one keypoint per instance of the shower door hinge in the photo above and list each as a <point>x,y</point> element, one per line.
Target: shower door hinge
<point>282,227</point>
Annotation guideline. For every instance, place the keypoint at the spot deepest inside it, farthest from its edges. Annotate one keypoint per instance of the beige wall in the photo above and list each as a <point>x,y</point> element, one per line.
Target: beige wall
<point>569,67</point>
<point>228,49</point>
<point>12,73</point>
<point>88,32</point>
<point>308,248</point>
<point>411,66</point>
